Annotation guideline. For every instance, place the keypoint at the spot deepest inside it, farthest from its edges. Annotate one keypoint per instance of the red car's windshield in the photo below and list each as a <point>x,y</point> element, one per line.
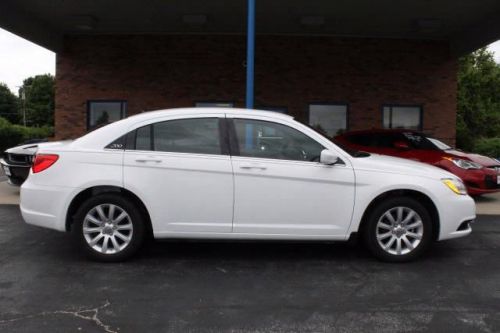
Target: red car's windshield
<point>419,141</point>
<point>439,144</point>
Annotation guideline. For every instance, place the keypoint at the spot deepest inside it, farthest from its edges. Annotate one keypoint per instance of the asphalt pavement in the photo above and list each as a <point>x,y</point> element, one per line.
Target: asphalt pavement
<point>46,285</point>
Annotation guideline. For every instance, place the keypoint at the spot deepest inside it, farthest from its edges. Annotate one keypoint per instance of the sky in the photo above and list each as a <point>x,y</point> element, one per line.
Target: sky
<point>20,59</point>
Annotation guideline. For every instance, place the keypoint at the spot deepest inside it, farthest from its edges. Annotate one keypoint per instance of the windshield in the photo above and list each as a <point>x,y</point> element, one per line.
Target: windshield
<point>439,144</point>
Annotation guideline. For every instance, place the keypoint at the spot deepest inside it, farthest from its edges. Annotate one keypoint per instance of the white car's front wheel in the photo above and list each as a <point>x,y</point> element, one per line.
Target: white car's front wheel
<point>109,227</point>
<point>398,229</point>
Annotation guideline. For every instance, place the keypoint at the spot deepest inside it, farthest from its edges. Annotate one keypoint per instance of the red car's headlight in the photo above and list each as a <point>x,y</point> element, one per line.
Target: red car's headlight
<point>464,164</point>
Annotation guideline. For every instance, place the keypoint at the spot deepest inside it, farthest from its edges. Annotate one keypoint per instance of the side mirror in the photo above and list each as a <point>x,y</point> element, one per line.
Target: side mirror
<point>401,145</point>
<point>328,158</point>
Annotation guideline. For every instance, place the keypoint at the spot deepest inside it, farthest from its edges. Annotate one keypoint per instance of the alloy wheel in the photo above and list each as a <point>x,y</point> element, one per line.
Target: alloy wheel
<point>399,230</point>
<point>108,228</point>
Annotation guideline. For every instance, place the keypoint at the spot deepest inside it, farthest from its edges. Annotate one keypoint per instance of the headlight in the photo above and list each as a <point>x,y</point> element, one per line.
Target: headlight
<point>456,185</point>
<point>464,164</point>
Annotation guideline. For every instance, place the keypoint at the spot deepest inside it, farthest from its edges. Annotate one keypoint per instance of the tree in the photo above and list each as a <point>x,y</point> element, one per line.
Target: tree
<point>37,99</point>
<point>478,98</point>
<point>8,104</point>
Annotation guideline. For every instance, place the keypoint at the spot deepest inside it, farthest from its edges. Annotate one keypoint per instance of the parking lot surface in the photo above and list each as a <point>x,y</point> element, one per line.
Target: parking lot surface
<point>47,286</point>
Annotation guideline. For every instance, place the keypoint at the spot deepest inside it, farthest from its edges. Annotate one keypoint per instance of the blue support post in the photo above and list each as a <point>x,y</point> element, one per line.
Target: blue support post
<point>250,69</point>
<point>250,53</point>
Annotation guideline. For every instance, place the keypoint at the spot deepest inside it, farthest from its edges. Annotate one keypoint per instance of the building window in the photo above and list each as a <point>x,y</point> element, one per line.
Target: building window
<point>408,117</point>
<point>328,119</point>
<point>100,113</point>
<point>214,104</point>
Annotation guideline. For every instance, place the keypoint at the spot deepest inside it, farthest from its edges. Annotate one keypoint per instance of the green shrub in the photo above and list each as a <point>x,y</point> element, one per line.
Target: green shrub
<point>14,135</point>
<point>488,146</point>
<point>4,122</point>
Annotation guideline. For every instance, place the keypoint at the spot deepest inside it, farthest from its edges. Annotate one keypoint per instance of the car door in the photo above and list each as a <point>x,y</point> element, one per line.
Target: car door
<point>280,186</point>
<point>182,171</point>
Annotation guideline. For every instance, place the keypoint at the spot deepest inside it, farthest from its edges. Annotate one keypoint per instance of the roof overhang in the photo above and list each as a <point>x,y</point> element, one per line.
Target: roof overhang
<point>465,24</point>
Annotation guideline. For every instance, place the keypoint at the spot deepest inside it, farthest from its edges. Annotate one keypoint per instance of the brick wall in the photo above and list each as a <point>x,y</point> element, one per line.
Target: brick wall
<point>158,71</point>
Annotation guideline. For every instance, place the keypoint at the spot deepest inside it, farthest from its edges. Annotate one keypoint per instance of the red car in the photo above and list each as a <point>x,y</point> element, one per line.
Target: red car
<point>480,174</point>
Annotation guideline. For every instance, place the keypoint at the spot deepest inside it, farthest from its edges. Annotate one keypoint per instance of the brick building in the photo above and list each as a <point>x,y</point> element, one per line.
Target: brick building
<point>337,65</point>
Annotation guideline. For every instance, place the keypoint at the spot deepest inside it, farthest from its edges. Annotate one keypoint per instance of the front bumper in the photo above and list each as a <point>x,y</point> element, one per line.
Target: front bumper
<point>16,174</point>
<point>477,181</point>
<point>484,184</point>
<point>456,215</point>
<point>482,181</point>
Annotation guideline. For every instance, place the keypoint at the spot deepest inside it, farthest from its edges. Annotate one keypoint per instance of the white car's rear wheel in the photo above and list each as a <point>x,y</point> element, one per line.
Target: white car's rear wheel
<point>109,227</point>
<point>398,229</point>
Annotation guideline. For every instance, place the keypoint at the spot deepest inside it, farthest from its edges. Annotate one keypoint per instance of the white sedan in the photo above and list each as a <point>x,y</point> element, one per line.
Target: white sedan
<point>236,174</point>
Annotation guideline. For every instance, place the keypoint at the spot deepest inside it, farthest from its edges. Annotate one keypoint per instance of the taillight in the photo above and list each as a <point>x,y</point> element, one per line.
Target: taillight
<point>43,161</point>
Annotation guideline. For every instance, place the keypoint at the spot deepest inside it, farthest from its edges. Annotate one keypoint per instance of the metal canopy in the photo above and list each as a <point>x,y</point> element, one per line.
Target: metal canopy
<point>466,24</point>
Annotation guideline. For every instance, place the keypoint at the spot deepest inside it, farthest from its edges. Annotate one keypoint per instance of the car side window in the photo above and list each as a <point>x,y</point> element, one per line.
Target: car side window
<point>265,139</point>
<point>387,140</point>
<point>143,138</point>
<point>362,139</point>
<point>195,135</point>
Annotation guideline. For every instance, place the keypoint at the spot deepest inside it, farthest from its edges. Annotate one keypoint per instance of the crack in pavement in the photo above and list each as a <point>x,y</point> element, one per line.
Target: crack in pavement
<point>92,316</point>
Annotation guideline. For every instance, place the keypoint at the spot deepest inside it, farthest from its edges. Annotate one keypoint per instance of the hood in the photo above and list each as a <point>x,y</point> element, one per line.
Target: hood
<point>396,165</point>
<point>481,159</point>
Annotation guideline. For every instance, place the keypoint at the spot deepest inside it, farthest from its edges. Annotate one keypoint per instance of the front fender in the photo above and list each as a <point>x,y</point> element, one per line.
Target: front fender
<point>367,191</point>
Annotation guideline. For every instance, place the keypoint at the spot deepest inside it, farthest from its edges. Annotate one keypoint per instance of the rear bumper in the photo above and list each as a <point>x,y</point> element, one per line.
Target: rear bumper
<point>45,206</point>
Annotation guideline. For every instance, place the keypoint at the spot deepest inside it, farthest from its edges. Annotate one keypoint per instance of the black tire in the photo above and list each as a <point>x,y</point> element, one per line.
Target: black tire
<point>136,234</point>
<point>371,228</point>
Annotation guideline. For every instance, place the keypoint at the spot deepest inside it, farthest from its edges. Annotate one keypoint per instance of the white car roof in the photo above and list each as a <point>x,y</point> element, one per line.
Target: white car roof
<point>205,110</point>
<point>105,135</point>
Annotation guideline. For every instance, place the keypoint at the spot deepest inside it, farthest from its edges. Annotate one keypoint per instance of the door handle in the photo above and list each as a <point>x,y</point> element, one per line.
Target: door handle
<point>145,160</point>
<point>253,166</point>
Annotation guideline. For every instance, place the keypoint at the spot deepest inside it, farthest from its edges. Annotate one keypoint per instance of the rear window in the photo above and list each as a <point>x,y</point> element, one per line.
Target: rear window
<point>197,136</point>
